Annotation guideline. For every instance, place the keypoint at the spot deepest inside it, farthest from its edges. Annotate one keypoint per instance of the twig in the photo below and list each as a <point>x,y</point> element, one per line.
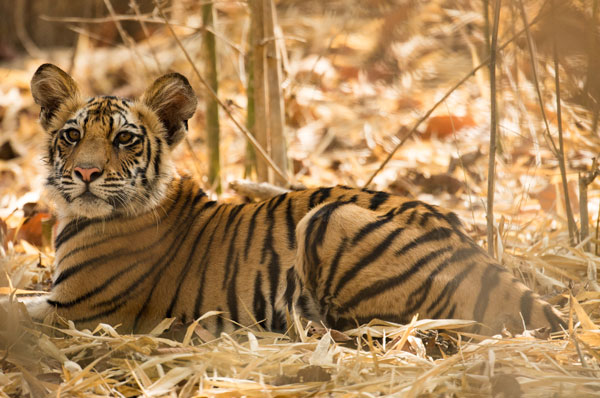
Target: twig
<point>145,18</point>
<point>561,150</point>
<point>124,36</point>
<point>445,96</point>
<point>245,131</point>
<point>493,127</point>
<point>133,4</point>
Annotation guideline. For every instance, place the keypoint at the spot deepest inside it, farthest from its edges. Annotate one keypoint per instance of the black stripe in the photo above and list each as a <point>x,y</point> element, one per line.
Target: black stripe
<point>75,227</point>
<point>378,199</point>
<point>448,292</point>
<point>382,286</point>
<point>411,217</point>
<point>232,298</point>
<point>291,225</point>
<point>424,218</point>
<point>232,215</point>
<point>322,194</point>
<point>230,251</point>
<point>204,265</point>
<point>454,220</point>
<point>370,257</point>
<point>451,219</point>
<point>526,304</point>
<point>372,226</point>
<point>290,287</point>
<point>322,215</point>
<point>554,320</point>
<point>489,281</point>
<point>259,303</point>
<point>274,266</point>
<point>332,271</point>
<point>251,227</point>
<point>325,194</point>
<point>219,322</point>
<point>420,294</point>
<point>407,206</point>
<point>433,235</point>
<point>451,312</point>
<point>303,304</point>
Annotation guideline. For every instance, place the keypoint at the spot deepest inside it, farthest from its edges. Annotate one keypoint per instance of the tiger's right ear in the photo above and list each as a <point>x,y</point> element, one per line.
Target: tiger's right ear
<point>51,87</point>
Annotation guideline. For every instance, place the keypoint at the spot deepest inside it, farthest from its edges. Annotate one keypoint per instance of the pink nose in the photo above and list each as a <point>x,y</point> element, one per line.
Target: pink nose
<point>87,175</point>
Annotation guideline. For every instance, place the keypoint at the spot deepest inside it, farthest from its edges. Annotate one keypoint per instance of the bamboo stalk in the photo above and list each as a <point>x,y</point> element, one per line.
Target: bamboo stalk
<point>260,130</point>
<point>493,128</point>
<point>250,160</point>
<point>586,179</point>
<point>583,210</point>
<point>212,108</point>
<point>275,99</point>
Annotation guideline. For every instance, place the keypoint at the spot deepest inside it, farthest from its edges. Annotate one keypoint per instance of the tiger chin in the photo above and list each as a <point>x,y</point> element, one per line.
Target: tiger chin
<point>137,243</point>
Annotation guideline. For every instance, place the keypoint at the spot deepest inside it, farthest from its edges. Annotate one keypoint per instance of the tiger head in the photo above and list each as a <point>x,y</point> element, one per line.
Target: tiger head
<point>109,155</point>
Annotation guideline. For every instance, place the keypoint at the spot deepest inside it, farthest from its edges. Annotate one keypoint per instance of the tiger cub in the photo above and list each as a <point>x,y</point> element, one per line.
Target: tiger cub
<point>137,243</point>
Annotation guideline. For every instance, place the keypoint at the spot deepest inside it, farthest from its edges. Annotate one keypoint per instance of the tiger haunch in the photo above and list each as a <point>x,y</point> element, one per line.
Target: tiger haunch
<point>138,243</point>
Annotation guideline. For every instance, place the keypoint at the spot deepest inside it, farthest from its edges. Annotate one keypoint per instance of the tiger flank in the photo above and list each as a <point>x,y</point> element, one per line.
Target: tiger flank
<point>137,243</point>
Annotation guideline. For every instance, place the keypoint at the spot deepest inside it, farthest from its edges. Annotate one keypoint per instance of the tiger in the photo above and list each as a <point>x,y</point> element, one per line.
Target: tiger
<point>138,242</point>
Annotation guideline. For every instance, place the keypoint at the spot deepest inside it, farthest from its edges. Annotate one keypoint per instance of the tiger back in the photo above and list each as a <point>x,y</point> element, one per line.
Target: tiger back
<point>138,243</point>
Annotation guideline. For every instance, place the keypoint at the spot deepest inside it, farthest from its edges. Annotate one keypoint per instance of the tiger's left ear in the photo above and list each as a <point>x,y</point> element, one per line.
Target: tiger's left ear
<point>173,100</point>
<point>52,87</point>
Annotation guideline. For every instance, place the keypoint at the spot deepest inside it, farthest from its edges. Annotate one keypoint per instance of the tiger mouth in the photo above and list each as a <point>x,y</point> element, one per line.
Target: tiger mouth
<point>90,198</point>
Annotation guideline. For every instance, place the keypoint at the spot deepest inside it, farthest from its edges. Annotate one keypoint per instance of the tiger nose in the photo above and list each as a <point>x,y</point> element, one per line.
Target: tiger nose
<point>87,174</point>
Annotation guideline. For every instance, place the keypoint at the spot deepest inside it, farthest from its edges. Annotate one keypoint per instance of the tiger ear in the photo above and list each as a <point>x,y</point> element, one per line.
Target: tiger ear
<point>51,87</point>
<point>173,100</point>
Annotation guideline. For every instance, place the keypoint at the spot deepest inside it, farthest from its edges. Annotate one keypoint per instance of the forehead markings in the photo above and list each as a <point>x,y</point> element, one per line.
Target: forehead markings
<point>104,109</point>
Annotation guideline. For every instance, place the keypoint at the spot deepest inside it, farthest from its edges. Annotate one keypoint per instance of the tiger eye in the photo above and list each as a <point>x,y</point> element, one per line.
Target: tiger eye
<point>73,135</point>
<point>124,137</point>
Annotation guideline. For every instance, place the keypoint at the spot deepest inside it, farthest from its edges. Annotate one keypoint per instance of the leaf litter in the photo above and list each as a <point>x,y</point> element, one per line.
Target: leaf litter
<point>350,99</point>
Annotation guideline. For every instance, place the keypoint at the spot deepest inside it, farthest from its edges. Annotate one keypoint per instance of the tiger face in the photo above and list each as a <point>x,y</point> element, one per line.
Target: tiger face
<point>110,155</point>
